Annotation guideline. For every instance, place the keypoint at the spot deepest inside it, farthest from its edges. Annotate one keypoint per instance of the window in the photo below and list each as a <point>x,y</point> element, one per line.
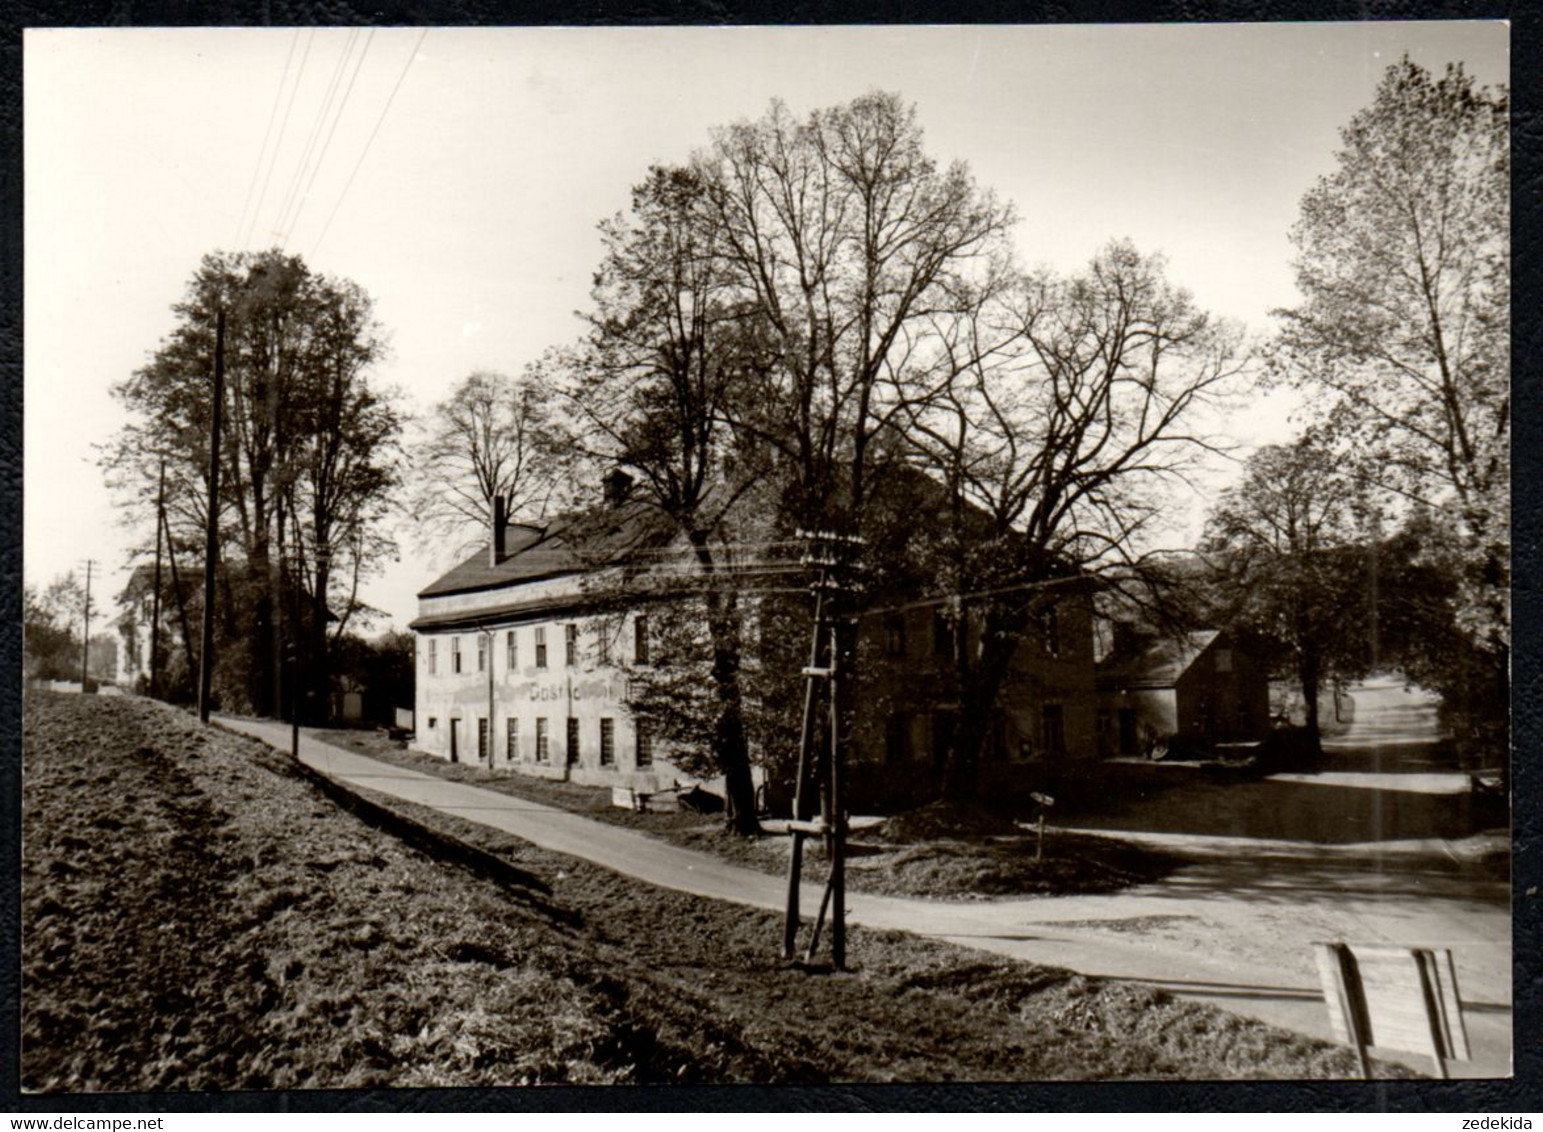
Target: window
<point>942,635</point>
<point>897,738</point>
<point>1050,631</point>
<point>1054,729</point>
<point>482,739</point>
<point>640,639</point>
<point>570,645</point>
<point>512,741</point>
<point>894,634</point>
<point>607,742</point>
<point>645,753</point>
<point>455,654</point>
<point>512,647</point>
<point>603,642</point>
<point>1224,660</point>
<point>433,722</point>
<point>433,665</point>
<point>482,652</point>
<point>540,646</point>
<point>573,741</point>
<point>543,748</point>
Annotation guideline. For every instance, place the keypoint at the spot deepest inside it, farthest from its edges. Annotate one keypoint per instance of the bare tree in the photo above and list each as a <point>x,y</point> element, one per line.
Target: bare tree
<point>482,442</point>
<point>1069,406</point>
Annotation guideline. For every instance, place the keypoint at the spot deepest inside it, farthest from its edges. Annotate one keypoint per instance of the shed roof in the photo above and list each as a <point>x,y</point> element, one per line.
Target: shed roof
<point>1155,663</point>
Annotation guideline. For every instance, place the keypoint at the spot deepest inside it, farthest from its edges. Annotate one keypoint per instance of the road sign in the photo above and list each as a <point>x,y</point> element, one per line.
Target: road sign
<point>1397,998</point>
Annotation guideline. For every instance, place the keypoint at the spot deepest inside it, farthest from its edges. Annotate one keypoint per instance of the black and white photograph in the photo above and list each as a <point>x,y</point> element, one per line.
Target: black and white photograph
<point>800,555</point>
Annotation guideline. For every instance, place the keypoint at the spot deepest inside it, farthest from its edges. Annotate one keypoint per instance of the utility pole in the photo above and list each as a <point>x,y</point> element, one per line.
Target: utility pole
<point>85,643</point>
<point>212,530</point>
<point>834,555</point>
<point>155,600</point>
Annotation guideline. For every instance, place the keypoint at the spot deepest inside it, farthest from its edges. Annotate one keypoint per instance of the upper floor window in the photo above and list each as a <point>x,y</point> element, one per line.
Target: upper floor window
<point>433,659</point>
<point>1224,660</point>
<point>511,644</point>
<point>894,634</point>
<point>540,646</point>
<point>603,642</point>
<point>570,645</point>
<point>482,652</point>
<point>942,635</point>
<point>640,639</point>
<point>455,654</point>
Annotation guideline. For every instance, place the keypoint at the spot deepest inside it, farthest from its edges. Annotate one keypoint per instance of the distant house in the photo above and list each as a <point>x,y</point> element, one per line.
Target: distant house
<point>1198,687</point>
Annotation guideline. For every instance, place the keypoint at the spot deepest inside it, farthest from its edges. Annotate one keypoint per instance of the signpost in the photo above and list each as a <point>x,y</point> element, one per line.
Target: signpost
<point>1401,998</point>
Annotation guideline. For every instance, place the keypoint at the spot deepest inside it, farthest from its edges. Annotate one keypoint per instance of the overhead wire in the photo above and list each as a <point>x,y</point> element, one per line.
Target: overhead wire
<point>413,54</point>
<point>279,141</point>
<point>280,224</point>
<point>273,113</point>
<point>336,118</point>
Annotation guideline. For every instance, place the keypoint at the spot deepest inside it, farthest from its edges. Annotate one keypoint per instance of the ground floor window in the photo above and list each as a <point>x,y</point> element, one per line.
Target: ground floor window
<point>607,742</point>
<point>645,747</point>
<point>512,741</point>
<point>1054,726</point>
<point>897,737</point>
<point>482,740</point>
<point>573,741</point>
<point>543,748</point>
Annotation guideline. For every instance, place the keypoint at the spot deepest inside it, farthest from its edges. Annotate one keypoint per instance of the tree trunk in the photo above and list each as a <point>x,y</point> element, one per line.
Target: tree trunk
<point>731,750</point>
<point>1308,670</point>
<point>979,689</point>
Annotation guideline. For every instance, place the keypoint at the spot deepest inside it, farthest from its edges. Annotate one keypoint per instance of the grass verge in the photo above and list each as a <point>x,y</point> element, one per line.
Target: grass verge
<point>196,915</point>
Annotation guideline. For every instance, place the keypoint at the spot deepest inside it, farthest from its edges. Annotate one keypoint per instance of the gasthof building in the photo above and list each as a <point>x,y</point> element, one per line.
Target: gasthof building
<point>519,668</point>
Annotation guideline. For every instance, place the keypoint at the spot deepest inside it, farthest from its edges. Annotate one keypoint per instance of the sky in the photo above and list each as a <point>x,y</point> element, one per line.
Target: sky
<point>458,174</point>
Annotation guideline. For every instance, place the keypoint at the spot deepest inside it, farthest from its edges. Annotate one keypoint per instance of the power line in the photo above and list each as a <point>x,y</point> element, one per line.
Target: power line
<point>327,143</point>
<point>273,158</point>
<point>282,224</point>
<point>365,152</point>
<point>268,133</point>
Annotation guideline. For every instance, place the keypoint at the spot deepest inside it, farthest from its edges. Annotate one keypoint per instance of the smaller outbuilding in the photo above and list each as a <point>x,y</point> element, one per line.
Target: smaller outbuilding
<point>1194,690</point>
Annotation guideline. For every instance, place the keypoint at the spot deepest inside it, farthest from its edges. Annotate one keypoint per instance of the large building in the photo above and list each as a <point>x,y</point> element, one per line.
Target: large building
<point>520,666</point>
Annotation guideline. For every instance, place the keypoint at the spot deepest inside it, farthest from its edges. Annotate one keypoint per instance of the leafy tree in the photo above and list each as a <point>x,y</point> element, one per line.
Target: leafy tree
<point>486,440</point>
<point>306,438</point>
<point>1403,264</point>
<point>1284,545</point>
<point>649,391</point>
<point>51,622</point>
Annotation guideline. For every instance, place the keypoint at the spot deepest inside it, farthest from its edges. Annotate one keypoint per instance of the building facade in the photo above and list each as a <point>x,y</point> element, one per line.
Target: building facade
<point>517,670</point>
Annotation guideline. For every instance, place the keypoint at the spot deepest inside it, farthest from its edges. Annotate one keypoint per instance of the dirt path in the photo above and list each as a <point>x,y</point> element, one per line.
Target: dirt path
<point>1227,931</point>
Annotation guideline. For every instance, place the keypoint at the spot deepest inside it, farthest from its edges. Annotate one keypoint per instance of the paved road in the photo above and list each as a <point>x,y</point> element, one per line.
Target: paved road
<point>1225,930</point>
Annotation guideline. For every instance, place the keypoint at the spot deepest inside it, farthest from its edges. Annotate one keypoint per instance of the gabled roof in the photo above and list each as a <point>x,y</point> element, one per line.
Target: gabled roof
<point>569,544</point>
<point>1155,663</point>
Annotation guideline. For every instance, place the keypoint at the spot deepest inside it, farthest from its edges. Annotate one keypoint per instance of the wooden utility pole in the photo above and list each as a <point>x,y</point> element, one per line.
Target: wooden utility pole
<point>212,528</point>
<point>155,600</point>
<point>85,642</point>
<point>833,554</point>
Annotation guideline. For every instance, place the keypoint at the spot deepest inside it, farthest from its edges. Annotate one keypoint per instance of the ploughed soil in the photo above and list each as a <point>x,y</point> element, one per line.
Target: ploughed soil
<point>198,915</point>
<point>936,852</point>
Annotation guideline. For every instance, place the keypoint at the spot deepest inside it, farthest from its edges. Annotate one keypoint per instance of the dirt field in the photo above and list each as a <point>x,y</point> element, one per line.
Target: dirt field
<point>916,857</point>
<point>196,916</point>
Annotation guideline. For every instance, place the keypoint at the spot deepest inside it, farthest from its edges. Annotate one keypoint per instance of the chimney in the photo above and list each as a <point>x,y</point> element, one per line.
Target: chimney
<point>496,546</point>
<point>618,487</point>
